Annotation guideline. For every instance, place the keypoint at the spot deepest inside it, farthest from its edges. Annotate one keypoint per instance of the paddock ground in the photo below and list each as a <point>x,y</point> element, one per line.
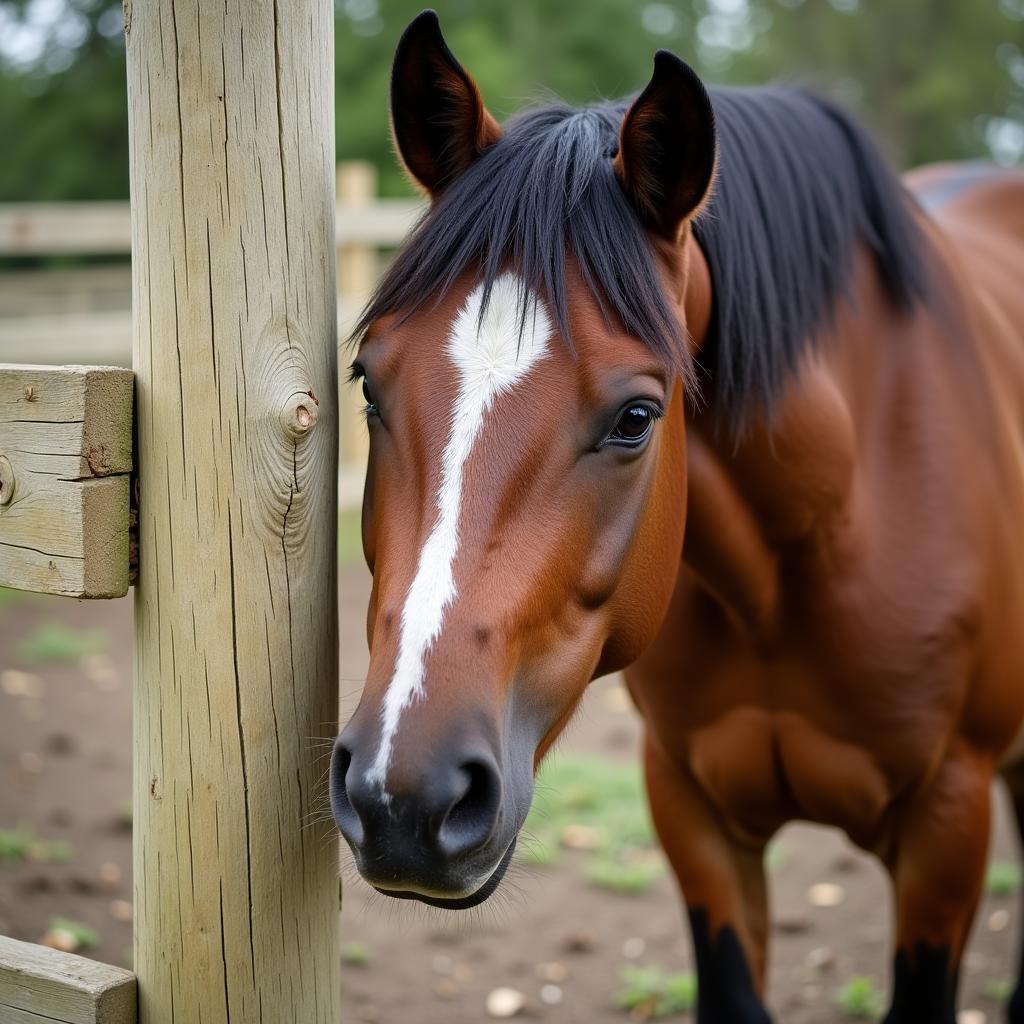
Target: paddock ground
<point>578,919</point>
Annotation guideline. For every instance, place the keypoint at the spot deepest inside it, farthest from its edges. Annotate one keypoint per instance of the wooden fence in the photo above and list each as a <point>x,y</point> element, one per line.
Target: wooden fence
<point>81,315</point>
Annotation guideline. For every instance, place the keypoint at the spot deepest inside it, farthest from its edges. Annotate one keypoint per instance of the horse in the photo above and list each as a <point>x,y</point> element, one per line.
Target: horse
<point>692,386</point>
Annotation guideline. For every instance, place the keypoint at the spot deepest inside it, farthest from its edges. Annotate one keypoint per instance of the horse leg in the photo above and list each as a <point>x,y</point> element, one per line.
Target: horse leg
<point>723,884</point>
<point>1015,783</point>
<point>938,868</point>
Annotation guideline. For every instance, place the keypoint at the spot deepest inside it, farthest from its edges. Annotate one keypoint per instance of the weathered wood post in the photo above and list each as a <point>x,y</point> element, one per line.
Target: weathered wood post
<point>234,336</point>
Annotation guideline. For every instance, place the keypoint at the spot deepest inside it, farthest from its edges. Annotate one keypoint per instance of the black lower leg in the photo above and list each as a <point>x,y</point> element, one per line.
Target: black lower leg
<point>725,986</point>
<point>1015,1009</point>
<point>923,987</point>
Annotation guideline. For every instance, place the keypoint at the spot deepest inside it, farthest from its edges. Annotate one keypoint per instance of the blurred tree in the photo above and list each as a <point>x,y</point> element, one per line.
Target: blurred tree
<point>937,79</point>
<point>63,101</point>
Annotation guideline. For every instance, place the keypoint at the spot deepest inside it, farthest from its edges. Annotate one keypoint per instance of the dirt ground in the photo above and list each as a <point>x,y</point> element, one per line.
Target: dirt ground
<point>65,853</point>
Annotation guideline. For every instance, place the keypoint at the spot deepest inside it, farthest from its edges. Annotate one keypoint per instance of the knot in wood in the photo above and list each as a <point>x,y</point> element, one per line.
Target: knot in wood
<point>301,414</point>
<point>6,481</point>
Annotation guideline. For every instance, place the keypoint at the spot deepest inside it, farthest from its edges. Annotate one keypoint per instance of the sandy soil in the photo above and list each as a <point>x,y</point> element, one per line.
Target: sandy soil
<point>65,752</point>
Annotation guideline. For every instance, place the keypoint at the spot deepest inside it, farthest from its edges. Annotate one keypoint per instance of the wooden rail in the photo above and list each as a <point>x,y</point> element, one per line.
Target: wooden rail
<point>39,985</point>
<point>44,229</point>
<point>65,456</point>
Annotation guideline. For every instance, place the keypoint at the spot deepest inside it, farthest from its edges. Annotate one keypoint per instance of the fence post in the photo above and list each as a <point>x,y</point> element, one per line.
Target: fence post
<point>234,337</point>
<point>358,269</point>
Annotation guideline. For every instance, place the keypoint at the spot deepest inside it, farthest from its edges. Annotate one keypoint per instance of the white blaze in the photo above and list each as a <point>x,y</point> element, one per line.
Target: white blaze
<point>491,356</point>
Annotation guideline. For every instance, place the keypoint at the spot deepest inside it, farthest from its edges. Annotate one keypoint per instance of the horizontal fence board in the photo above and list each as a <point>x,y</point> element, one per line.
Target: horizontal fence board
<point>38,985</point>
<point>66,450</point>
<point>41,229</point>
<point>100,338</point>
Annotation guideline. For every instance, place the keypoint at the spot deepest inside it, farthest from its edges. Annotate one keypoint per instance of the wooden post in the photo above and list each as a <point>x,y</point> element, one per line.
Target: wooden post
<point>358,267</point>
<point>234,337</point>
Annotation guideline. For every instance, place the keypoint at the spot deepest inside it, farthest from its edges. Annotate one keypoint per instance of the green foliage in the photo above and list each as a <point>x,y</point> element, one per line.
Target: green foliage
<point>629,877</point>
<point>938,79</point>
<point>355,954</point>
<point>607,800</point>
<point>350,538</point>
<point>859,999</point>
<point>998,990</point>
<point>85,936</point>
<point>1003,878</point>
<point>22,844</point>
<point>607,796</point>
<point>53,641</point>
<point>775,855</point>
<point>651,993</point>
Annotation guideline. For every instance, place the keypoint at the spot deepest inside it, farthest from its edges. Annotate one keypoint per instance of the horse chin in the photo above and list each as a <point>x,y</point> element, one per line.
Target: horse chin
<point>474,899</point>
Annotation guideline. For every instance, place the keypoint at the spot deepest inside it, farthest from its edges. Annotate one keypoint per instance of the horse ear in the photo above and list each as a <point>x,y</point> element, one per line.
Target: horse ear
<point>438,118</point>
<point>667,147</point>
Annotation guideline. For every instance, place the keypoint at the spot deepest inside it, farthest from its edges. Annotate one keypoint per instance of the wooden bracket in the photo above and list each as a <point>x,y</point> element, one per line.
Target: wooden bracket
<point>65,464</point>
<point>39,985</point>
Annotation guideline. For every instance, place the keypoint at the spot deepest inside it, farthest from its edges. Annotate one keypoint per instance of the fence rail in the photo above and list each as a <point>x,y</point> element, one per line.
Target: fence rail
<point>104,229</point>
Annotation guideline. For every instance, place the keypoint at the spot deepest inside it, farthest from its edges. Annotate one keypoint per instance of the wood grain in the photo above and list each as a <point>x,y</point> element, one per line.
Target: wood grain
<point>39,985</point>
<point>234,346</point>
<point>65,456</point>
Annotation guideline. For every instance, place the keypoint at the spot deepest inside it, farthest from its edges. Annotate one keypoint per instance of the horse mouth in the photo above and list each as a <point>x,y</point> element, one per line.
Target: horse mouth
<point>474,899</point>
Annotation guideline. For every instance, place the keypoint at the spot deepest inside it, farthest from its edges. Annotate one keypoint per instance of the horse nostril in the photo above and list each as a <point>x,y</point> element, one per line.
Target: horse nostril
<point>472,818</point>
<point>345,814</point>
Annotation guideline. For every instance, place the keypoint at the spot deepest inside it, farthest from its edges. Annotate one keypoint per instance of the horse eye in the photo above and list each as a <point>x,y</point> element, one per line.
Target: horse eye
<point>371,405</point>
<point>633,426</point>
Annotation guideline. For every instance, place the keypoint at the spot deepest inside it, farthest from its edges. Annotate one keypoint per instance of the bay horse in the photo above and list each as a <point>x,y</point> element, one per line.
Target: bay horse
<point>694,387</point>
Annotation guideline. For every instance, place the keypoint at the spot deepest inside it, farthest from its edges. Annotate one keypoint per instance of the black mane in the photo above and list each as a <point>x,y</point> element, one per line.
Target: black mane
<point>798,185</point>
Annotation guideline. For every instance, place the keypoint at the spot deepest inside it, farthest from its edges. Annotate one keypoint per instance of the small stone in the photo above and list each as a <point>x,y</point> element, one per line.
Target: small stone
<point>20,684</point>
<point>505,1002</point>
<point>446,989</point>
<point>553,971</point>
<point>825,894</point>
<point>579,942</point>
<point>99,668</point>
<point>121,910</point>
<point>579,837</point>
<point>634,948</point>
<point>551,995</point>
<point>971,1017</point>
<point>821,959</point>
<point>31,763</point>
<point>58,938</point>
<point>110,875</point>
<point>998,920</point>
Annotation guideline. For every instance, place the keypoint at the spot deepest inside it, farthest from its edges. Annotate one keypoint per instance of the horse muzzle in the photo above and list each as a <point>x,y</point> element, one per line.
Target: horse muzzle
<point>436,830</point>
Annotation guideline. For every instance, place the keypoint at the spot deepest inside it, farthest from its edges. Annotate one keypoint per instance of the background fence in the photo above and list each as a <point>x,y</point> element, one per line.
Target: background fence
<point>80,313</point>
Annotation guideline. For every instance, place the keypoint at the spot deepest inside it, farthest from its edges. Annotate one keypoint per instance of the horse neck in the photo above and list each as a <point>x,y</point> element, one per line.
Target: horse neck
<point>789,477</point>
